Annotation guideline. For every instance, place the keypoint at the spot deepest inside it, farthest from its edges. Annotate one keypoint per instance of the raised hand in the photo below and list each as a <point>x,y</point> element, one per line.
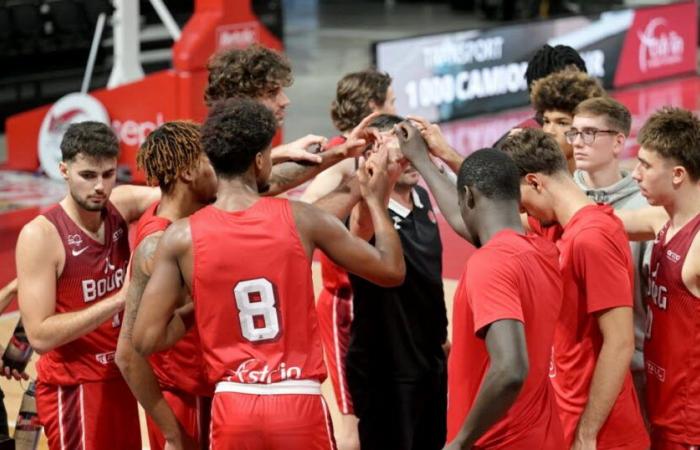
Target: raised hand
<point>361,136</point>
<point>373,175</point>
<point>412,144</point>
<point>304,149</point>
<point>433,136</point>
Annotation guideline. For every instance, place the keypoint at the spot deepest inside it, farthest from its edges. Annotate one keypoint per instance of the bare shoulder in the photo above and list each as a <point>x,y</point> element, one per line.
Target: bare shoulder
<point>177,238</point>
<point>39,236</point>
<point>144,254</point>
<point>39,248</point>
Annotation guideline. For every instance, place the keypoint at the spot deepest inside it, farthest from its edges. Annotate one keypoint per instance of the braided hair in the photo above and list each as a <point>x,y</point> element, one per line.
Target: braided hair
<point>169,150</point>
<point>548,60</point>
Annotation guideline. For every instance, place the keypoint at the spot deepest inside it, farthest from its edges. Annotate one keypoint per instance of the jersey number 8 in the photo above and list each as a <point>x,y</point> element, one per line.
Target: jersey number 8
<point>256,299</point>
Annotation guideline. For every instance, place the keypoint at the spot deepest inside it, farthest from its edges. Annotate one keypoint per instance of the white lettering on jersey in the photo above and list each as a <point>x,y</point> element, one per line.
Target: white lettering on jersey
<point>92,289</point>
<point>656,292</point>
<point>265,375</point>
<point>656,371</point>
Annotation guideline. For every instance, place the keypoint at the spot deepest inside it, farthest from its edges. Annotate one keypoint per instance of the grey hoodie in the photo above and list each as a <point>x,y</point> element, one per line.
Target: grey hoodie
<point>625,195</point>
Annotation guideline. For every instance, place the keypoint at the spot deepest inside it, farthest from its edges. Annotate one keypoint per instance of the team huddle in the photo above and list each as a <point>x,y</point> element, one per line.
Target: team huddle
<point>575,323</point>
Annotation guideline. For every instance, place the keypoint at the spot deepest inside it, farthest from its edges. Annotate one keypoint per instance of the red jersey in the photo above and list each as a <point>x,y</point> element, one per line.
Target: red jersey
<point>597,271</point>
<point>511,277</point>
<point>672,346</point>
<point>92,271</point>
<point>179,367</point>
<point>253,295</point>
<point>335,278</point>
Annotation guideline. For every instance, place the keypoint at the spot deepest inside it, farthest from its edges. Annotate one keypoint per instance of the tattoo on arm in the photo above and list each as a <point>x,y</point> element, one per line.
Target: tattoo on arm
<point>139,279</point>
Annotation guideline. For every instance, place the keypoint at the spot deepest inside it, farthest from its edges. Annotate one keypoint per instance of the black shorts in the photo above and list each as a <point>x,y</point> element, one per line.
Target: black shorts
<point>400,415</point>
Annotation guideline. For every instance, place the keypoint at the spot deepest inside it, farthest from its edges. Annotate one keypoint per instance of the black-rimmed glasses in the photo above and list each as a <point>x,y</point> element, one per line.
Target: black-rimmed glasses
<point>588,135</point>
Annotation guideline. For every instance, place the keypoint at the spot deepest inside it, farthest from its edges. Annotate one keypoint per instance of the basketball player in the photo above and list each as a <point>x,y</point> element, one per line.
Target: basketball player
<point>505,311</point>
<point>71,268</point>
<point>172,389</point>
<point>261,74</point>
<point>594,338</point>
<point>546,61</point>
<point>597,135</point>
<point>668,174</point>
<point>396,367</point>
<point>252,291</point>
<point>555,97</point>
<point>358,94</point>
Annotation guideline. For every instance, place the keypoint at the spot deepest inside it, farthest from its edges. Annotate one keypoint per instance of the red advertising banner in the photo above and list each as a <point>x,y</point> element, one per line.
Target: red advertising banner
<point>661,42</point>
<point>135,109</point>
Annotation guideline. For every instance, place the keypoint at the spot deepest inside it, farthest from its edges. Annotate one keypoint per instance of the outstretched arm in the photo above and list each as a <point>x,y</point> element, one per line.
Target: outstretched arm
<point>288,175</point>
<point>437,144</point>
<point>508,368</point>
<point>131,201</point>
<point>341,200</point>
<point>414,147</point>
<point>382,264</point>
<point>643,224</point>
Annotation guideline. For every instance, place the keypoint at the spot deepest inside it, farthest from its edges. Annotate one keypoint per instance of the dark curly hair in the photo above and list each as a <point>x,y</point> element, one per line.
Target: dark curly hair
<point>548,60</point>
<point>674,133</point>
<point>252,72</point>
<point>563,91</point>
<point>169,150</point>
<point>534,151</point>
<point>353,94</point>
<point>93,139</point>
<point>235,130</point>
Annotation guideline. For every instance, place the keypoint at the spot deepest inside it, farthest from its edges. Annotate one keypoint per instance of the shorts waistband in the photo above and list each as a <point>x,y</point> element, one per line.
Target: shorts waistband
<point>304,387</point>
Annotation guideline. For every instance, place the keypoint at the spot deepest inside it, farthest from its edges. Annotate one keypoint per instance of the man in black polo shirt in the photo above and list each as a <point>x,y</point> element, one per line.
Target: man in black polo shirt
<point>396,362</point>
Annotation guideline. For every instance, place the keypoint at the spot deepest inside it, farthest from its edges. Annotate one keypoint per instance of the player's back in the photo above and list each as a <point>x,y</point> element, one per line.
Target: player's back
<point>253,296</point>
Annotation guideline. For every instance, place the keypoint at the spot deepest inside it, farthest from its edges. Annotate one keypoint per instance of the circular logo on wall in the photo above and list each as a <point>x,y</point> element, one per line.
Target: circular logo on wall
<point>69,109</point>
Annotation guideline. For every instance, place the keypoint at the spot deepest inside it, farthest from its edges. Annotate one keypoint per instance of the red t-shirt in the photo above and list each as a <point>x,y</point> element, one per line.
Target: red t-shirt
<point>511,277</point>
<point>253,295</point>
<point>598,274</point>
<point>180,367</point>
<point>672,346</point>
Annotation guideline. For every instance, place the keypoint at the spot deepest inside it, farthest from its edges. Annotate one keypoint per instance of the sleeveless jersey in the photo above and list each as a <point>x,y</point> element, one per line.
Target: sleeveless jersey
<point>672,346</point>
<point>335,278</point>
<point>253,295</point>
<point>92,272</point>
<point>179,367</point>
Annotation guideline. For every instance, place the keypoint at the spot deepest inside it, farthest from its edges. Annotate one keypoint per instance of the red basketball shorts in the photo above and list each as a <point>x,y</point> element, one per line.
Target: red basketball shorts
<point>334,311</point>
<point>274,416</point>
<point>91,416</point>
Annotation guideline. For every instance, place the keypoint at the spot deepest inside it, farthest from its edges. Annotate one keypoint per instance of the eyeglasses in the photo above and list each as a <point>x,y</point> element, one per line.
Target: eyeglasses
<point>588,135</point>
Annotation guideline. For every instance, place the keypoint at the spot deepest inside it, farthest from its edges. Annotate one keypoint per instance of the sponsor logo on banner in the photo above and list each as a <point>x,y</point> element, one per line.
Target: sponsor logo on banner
<point>238,35</point>
<point>659,45</point>
<point>70,109</point>
<point>133,133</point>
